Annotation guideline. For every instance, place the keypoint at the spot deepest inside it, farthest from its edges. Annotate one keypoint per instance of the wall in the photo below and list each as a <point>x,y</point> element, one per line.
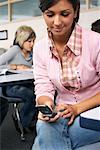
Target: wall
<point>36,23</point>
<point>39,26</point>
<point>86,18</point>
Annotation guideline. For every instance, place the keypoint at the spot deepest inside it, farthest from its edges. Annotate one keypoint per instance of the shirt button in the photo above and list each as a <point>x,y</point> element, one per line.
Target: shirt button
<point>74,96</point>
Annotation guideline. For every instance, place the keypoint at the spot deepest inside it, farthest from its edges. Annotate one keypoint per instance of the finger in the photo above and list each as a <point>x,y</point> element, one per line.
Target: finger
<point>60,106</point>
<point>55,118</point>
<point>44,118</point>
<point>71,120</point>
<point>67,115</point>
<point>66,112</point>
<point>41,117</point>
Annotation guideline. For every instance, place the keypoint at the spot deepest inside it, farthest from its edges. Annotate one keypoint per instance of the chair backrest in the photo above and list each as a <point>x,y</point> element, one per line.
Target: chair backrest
<point>3,108</point>
<point>2,50</point>
<point>11,99</point>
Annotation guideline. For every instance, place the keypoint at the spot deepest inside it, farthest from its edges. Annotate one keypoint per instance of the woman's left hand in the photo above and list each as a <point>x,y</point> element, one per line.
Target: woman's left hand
<point>67,111</point>
<point>19,67</point>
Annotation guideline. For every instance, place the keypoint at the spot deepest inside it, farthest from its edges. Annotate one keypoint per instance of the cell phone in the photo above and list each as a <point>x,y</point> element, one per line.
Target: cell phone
<point>46,111</point>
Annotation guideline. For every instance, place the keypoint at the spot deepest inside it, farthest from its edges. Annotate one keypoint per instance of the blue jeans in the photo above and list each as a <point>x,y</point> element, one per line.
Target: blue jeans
<point>28,110</point>
<point>60,136</point>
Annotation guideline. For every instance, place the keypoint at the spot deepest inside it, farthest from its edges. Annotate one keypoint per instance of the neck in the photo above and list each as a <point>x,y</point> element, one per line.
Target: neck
<point>60,40</point>
<point>25,53</point>
<point>60,43</point>
<point>63,39</point>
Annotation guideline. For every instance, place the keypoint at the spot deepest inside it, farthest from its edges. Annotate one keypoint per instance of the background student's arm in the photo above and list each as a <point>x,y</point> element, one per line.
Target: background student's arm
<point>19,67</point>
<point>8,55</point>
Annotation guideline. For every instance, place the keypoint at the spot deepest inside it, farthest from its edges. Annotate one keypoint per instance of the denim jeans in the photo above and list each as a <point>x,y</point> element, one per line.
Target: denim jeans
<point>60,136</point>
<point>28,110</point>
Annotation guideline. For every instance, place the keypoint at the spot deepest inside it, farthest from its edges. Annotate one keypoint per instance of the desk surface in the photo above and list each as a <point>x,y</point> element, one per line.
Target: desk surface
<point>92,114</point>
<point>15,77</point>
<point>91,119</point>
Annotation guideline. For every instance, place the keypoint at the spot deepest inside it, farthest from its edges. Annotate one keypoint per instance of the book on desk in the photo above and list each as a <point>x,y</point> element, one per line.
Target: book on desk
<point>91,119</point>
<point>7,72</point>
<point>10,72</point>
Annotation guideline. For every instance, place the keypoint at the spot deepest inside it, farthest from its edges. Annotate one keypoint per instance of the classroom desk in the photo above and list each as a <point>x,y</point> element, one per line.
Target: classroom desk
<point>13,79</point>
<point>16,78</point>
<point>91,119</point>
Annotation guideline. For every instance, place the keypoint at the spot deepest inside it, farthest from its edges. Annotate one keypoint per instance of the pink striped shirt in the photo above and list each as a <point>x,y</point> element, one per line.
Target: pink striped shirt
<point>47,70</point>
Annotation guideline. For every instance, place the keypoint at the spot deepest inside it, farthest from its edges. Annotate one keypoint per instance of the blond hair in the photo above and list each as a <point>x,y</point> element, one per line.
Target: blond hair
<point>22,34</point>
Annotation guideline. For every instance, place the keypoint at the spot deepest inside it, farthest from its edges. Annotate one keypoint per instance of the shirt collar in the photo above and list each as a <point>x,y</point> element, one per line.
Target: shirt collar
<point>74,42</point>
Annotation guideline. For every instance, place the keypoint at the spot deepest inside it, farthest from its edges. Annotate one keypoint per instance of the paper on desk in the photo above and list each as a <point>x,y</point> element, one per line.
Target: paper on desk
<point>3,71</point>
<point>8,71</point>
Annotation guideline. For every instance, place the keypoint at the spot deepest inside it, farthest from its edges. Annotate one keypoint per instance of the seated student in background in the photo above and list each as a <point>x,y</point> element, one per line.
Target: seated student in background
<point>95,26</point>
<point>19,56</point>
<point>66,60</point>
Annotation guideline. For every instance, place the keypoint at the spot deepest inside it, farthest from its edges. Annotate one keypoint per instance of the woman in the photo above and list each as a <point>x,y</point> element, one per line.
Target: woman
<point>67,60</point>
<point>19,57</point>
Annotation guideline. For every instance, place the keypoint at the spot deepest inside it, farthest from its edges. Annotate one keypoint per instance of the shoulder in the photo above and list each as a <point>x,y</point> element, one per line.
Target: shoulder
<point>42,42</point>
<point>90,39</point>
<point>91,35</point>
<point>41,45</point>
<point>41,50</point>
<point>14,48</point>
<point>90,43</point>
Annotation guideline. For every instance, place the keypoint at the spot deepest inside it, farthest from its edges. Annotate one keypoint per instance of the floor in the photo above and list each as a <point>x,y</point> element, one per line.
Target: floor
<point>10,138</point>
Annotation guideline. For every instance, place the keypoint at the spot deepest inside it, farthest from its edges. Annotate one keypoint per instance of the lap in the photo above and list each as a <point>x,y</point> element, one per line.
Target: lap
<point>81,136</point>
<point>78,136</point>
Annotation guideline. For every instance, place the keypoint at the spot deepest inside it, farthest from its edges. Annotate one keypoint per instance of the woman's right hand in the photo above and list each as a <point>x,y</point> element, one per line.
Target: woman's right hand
<point>13,66</point>
<point>48,119</point>
<point>45,100</point>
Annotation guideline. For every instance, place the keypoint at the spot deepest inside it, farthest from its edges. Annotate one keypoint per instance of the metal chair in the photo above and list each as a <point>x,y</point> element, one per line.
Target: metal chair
<point>15,101</point>
<point>2,50</point>
<point>3,108</point>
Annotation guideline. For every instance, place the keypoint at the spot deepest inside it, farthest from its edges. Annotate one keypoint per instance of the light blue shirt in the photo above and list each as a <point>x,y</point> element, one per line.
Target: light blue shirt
<point>14,56</point>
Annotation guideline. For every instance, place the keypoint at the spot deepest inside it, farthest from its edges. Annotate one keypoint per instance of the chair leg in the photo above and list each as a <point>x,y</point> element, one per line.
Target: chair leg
<point>19,122</point>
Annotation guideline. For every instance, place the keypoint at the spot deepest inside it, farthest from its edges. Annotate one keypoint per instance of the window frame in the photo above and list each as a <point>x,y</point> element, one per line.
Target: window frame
<point>10,2</point>
<point>3,34</point>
